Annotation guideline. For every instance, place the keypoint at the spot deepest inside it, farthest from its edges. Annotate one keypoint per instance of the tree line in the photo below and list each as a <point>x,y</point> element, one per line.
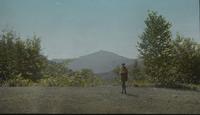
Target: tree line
<point>163,60</point>
<point>168,61</point>
<point>22,64</point>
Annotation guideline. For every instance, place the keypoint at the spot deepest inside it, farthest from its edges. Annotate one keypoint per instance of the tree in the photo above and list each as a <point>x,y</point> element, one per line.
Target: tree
<point>7,55</point>
<point>20,57</point>
<point>187,59</point>
<point>54,69</point>
<point>156,48</point>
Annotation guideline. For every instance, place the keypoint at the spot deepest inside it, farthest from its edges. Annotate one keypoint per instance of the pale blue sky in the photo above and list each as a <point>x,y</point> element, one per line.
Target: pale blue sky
<point>72,28</point>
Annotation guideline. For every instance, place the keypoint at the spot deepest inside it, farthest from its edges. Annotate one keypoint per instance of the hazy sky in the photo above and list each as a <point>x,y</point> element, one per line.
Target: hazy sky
<point>71,28</point>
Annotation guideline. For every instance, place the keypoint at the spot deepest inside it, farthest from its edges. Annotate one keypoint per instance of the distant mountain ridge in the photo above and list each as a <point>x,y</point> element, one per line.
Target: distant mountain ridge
<point>63,61</point>
<point>100,62</point>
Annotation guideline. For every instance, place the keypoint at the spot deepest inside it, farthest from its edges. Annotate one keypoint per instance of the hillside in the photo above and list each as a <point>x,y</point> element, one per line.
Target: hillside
<point>99,62</point>
<point>62,61</point>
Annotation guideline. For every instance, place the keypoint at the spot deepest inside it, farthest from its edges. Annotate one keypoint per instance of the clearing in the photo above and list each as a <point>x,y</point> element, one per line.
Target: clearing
<point>101,99</point>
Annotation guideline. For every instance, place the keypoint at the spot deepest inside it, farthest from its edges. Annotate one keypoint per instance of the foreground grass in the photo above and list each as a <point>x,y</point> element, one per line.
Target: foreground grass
<point>101,99</point>
<point>145,83</point>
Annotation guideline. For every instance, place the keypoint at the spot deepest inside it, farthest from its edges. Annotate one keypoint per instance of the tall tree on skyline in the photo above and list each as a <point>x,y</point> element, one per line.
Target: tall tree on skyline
<point>156,49</point>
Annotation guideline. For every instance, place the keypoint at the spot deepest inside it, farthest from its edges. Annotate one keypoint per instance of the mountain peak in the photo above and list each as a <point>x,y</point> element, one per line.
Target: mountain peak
<point>101,51</point>
<point>105,53</point>
<point>100,61</point>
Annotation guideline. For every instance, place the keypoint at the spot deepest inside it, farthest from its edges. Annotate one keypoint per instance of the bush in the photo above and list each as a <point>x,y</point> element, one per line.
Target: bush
<point>18,56</point>
<point>187,59</point>
<point>55,81</point>
<point>81,78</point>
<point>18,81</point>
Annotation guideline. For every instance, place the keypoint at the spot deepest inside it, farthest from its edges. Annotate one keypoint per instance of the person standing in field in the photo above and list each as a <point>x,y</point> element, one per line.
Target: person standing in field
<point>124,77</point>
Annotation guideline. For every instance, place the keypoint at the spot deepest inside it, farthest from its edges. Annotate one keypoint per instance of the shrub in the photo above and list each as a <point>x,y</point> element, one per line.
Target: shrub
<point>55,81</point>
<point>18,81</point>
<point>18,56</point>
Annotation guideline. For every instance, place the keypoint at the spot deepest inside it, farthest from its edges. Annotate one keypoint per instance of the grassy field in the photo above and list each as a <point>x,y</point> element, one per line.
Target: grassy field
<point>101,99</point>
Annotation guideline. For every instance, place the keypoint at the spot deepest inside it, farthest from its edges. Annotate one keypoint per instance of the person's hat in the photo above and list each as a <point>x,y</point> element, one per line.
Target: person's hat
<point>123,63</point>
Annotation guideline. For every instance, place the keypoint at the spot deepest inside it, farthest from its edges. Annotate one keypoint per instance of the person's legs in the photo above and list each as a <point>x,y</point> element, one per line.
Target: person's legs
<point>123,87</point>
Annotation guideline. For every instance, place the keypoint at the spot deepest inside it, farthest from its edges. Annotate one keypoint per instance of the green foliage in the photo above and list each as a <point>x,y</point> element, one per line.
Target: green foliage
<point>17,81</point>
<point>156,50</point>
<point>85,77</point>
<point>168,62</point>
<point>79,78</point>
<point>54,69</point>
<point>19,56</point>
<point>187,59</point>
<point>137,72</point>
<point>55,81</point>
<point>21,64</point>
